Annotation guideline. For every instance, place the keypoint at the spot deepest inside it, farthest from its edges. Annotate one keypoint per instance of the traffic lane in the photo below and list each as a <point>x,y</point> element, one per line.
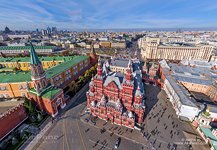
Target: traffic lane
<point>54,139</point>
<point>64,134</point>
<point>72,128</point>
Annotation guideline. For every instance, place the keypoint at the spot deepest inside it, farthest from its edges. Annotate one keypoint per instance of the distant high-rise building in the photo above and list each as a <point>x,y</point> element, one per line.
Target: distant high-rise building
<point>44,32</point>
<point>54,29</point>
<point>37,30</point>
<point>7,30</point>
<point>48,30</point>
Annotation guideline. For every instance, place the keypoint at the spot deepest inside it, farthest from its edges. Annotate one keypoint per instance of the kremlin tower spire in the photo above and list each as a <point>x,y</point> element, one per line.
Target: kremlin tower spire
<point>37,72</point>
<point>93,57</point>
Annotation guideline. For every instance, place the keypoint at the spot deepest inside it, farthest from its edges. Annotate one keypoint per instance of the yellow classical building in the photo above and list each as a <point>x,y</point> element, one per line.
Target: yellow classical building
<point>15,75</point>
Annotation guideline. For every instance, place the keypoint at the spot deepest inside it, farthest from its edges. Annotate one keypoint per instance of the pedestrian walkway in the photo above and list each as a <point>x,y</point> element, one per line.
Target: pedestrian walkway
<point>121,131</point>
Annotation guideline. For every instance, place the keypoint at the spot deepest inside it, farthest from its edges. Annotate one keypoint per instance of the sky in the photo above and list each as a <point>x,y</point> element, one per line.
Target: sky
<point>107,14</point>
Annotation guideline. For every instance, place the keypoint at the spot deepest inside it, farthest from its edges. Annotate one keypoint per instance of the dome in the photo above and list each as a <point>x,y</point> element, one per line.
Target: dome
<point>93,104</point>
<point>130,114</point>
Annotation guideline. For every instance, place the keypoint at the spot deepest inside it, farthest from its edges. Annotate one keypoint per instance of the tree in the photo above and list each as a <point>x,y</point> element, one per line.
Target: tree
<point>29,106</point>
<point>73,86</point>
<point>14,141</point>
<point>87,74</point>
<point>81,80</point>
<point>39,117</point>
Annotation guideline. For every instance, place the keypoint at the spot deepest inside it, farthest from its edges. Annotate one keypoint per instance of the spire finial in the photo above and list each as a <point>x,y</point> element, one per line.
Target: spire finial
<point>129,64</point>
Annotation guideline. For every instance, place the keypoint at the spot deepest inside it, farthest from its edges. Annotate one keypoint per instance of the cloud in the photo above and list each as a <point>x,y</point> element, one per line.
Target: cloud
<point>29,14</point>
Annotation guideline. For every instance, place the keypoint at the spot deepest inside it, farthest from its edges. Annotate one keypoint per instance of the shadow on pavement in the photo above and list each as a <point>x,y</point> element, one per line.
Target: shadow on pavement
<point>151,100</point>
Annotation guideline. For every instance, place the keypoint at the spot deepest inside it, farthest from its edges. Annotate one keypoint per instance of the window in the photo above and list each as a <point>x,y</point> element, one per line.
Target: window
<point>6,95</point>
<point>3,88</point>
<point>44,82</point>
<point>58,101</point>
<point>23,94</point>
<point>39,86</point>
<point>1,95</point>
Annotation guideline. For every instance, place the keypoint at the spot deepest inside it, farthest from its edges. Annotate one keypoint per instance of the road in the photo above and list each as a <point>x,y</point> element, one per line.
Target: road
<point>69,133</point>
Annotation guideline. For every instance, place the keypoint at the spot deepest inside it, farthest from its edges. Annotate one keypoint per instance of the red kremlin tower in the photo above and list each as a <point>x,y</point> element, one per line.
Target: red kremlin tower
<point>48,98</point>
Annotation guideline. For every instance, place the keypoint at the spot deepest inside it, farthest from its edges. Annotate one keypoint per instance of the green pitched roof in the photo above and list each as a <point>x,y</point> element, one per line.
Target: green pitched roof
<point>23,76</point>
<point>208,133</point>
<point>55,70</point>
<point>34,57</point>
<point>25,47</point>
<point>27,59</point>
<point>48,93</point>
<point>19,76</point>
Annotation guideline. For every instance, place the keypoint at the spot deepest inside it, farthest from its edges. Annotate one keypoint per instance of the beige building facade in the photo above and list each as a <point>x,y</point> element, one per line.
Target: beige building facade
<point>154,49</point>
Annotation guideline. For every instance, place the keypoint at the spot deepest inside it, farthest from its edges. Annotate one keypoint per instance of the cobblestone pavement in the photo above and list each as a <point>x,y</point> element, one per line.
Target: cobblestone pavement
<point>162,126</point>
<point>163,130</point>
<point>71,133</point>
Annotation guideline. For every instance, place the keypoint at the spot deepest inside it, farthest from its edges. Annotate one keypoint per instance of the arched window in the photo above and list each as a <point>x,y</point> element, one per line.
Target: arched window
<point>39,86</point>
<point>44,82</point>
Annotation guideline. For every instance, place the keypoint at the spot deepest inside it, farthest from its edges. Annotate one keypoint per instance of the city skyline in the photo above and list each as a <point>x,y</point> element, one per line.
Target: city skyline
<point>96,14</point>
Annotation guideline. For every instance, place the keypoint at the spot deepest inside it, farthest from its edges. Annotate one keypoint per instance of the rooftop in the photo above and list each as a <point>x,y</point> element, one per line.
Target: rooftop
<point>208,134</point>
<point>120,62</point>
<point>55,70</point>
<point>6,105</point>
<point>182,93</point>
<point>27,59</point>
<point>178,44</point>
<point>48,93</point>
<point>23,76</point>
<point>24,47</point>
<point>19,76</point>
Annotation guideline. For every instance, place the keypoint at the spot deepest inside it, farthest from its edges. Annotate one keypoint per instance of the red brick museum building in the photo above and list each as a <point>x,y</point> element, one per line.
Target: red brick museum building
<point>117,96</point>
